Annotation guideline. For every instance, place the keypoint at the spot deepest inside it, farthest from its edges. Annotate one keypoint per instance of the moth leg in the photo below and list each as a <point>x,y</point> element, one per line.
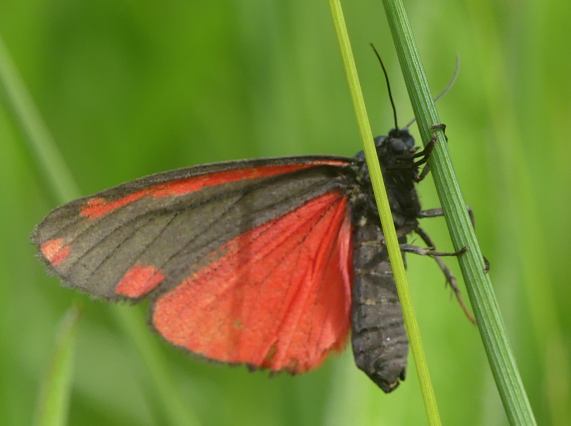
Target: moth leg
<point>427,151</point>
<point>430,251</point>
<point>439,126</point>
<point>450,278</point>
<point>486,264</point>
<point>438,212</point>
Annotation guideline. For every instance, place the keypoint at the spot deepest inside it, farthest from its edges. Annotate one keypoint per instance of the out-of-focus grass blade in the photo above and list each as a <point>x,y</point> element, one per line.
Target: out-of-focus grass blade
<point>59,181</point>
<point>531,244</point>
<point>52,408</point>
<point>48,159</point>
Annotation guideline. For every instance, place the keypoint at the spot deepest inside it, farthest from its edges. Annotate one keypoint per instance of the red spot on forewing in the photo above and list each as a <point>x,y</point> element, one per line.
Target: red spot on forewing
<point>98,207</point>
<point>277,297</point>
<point>138,281</point>
<point>55,251</point>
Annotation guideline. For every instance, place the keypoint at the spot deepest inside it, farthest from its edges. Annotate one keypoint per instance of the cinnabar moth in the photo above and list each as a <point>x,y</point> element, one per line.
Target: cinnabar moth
<point>265,262</point>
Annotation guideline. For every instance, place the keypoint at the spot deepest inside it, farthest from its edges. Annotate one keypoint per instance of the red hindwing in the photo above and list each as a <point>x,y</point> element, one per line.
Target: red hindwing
<point>277,296</point>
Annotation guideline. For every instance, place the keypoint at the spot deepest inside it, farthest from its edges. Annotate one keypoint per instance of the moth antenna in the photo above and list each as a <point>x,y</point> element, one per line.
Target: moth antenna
<point>446,89</point>
<point>388,85</point>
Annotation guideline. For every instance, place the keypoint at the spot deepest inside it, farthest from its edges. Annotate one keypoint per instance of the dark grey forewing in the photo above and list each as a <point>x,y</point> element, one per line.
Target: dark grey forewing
<point>379,340</point>
<point>175,234</point>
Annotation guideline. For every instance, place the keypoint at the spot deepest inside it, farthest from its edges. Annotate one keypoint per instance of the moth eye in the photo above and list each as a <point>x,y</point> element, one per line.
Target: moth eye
<point>398,146</point>
<point>379,140</point>
<point>409,143</point>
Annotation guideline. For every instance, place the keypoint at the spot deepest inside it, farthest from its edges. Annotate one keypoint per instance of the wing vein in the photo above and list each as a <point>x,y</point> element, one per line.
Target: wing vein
<point>295,300</point>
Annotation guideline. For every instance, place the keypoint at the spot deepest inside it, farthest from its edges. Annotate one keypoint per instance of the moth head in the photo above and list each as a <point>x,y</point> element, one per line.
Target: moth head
<point>398,141</point>
<point>397,146</point>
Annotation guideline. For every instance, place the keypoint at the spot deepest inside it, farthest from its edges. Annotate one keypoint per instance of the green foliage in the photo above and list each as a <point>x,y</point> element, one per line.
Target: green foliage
<point>131,88</point>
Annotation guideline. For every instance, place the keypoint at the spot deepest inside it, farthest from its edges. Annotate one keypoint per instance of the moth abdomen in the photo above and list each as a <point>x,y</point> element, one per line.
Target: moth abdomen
<point>379,341</point>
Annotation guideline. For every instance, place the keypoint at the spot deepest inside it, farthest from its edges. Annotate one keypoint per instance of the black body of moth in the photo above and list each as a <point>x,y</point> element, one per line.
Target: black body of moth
<point>379,340</point>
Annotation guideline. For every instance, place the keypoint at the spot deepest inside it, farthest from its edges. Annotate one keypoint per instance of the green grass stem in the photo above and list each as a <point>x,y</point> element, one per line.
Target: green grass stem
<point>478,284</point>
<point>385,215</point>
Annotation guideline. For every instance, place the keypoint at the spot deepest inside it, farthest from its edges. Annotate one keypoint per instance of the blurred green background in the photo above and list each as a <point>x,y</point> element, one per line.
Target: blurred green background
<point>130,88</point>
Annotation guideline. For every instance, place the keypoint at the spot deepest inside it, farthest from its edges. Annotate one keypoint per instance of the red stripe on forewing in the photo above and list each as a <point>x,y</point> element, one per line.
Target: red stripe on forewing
<point>277,296</point>
<point>98,207</point>
<point>55,251</point>
<point>139,280</point>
